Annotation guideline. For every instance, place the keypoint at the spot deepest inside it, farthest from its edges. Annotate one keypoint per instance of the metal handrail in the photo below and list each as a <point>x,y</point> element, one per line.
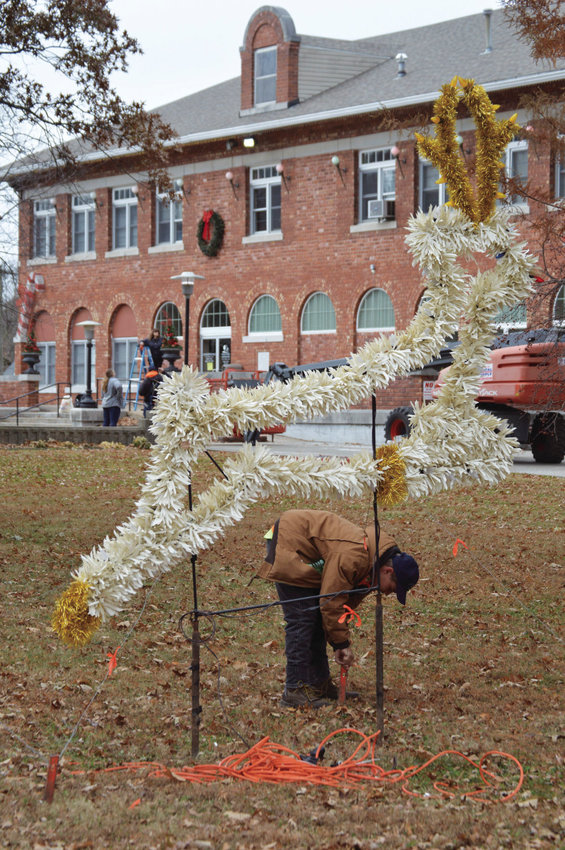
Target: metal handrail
<point>17,398</point>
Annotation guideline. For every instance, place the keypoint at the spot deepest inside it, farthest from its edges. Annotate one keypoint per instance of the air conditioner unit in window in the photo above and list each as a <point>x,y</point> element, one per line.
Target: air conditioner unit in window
<point>375,209</point>
<point>383,210</point>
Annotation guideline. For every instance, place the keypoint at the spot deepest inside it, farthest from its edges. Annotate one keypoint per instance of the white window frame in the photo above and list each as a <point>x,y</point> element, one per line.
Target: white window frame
<point>131,343</point>
<point>80,386</point>
<point>324,330</point>
<point>263,336</point>
<point>376,161</point>
<point>261,78</point>
<point>44,227</point>
<point>47,363</point>
<point>560,297</point>
<point>175,321</point>
<point>265,177</point>
<point>511,149</point>
<point>171,211</point>
<point>381,328</point>
<point>84,207</point>
<point>443,195</point>
<point>560,178</point>
<point>507,327</point>
<point>125,197</point>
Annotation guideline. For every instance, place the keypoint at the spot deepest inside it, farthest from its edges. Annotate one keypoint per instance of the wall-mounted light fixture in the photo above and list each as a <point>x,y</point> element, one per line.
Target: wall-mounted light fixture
<point>135,193</point>
<point>229,177</point>
<point>279,168</point>
<point>395,154</point>
<point>341,170</point>
<point>231,144</point>
<point>464,151</point>
<point>249,142</point>
<point>372,267</point>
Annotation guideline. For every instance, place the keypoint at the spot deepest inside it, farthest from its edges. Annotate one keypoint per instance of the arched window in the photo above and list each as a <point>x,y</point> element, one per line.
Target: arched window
<point>376,312</point>
<point>215,337</point>
<point>168,315</point>
<point>124,342</point>
<point>265,316</point>
<point>318,315</point>
<point>559,307</point>
<point>511,318</point>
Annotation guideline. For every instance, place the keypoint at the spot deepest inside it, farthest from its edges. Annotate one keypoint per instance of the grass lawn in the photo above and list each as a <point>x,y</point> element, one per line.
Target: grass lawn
<point>473,663</point>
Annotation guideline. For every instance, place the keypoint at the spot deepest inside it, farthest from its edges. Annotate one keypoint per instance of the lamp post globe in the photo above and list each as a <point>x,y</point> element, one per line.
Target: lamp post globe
<point>187,283</point>
<point>88,326</point>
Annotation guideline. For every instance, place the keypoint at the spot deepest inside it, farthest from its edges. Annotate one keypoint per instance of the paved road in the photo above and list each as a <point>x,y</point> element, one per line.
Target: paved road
<point>284,445</point>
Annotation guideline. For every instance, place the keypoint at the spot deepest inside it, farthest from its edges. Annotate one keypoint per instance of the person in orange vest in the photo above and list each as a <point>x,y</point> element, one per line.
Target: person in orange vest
<point>319,562</point>
<point>149,386</point>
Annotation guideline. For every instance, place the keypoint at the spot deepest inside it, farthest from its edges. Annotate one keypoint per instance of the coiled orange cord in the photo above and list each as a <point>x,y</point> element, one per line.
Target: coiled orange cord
<point>272,763</point>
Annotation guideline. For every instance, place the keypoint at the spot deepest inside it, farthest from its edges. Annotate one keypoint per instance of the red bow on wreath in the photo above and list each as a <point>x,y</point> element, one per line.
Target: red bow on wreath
<point>206,216</point>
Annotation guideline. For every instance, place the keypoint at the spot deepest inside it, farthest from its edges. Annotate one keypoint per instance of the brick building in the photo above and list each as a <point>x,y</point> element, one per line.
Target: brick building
<point>310,160</point>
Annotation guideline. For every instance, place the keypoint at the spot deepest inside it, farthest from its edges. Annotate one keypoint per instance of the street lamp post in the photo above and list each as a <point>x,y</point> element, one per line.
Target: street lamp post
<point>88,328</point>
<point>187,282</point>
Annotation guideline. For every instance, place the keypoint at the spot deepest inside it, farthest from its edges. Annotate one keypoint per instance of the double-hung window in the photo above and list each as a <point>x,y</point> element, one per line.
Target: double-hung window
<point>46,363</point>
<point>169,215</point>
<point>124,218</point>
<point>560,177</point>
<point>516,163</point>
<point>265,186</point>
<point>44,214</point>
<point>432,194</point>
<point>83,223</point>
<point>377,179</point>
<point>265,75</point>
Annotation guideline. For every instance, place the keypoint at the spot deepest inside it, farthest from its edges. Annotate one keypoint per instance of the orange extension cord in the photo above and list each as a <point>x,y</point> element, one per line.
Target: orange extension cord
<point>273,763</point>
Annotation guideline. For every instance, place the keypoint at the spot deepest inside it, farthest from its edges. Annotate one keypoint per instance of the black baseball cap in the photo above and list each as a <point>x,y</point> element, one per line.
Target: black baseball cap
<point>407,574</point>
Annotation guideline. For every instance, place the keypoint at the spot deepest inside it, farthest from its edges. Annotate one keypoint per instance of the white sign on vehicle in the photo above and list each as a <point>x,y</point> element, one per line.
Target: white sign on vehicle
<point>486,372</point>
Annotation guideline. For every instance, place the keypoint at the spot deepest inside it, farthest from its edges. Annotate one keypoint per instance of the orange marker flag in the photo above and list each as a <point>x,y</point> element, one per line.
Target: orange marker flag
<point>456,546</point>
<point>353,615</point>
<point>112,663</point>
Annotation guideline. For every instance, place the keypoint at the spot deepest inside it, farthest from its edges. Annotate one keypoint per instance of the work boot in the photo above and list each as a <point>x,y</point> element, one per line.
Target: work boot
<point>331,691</point>
<point>304,695</point>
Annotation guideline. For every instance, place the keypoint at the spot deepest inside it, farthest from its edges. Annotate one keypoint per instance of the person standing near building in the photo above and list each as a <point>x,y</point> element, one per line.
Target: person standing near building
<point>154,343</point>
<point>112,399</point>
<point>319,562</point>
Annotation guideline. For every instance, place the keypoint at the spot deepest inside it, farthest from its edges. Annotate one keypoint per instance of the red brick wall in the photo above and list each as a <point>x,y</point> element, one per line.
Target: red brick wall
<point>318,253</point>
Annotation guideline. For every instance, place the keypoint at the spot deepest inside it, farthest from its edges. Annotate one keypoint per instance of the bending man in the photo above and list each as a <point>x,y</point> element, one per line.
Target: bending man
<point>314,553</point>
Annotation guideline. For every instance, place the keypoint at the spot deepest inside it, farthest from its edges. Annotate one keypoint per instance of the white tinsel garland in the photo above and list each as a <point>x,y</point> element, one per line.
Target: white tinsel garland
<point>451,441</point>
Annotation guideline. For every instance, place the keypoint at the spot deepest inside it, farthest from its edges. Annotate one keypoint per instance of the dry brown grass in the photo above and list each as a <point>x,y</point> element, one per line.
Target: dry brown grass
<point>474,663</point>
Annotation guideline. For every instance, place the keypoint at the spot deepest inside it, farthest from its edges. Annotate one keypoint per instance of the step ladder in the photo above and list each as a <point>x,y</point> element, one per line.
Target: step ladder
<point>141,364</point>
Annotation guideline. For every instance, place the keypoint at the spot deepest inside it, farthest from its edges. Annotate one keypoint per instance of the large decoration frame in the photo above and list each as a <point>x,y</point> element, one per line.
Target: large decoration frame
<point>451,442</point>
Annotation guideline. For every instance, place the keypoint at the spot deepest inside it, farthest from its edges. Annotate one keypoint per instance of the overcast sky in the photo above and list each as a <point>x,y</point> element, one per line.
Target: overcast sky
<point>189,46</point>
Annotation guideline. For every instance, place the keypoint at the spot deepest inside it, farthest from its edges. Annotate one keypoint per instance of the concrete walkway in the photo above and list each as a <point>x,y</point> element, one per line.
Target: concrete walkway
<point>285,445</point>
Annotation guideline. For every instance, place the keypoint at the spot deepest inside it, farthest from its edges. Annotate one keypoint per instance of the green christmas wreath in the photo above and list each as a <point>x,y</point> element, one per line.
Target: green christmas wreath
<point>210,233</point>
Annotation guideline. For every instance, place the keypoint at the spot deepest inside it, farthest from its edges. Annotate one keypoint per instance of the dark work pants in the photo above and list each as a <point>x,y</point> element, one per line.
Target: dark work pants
<point>111,416</point>
<point>305,641</point>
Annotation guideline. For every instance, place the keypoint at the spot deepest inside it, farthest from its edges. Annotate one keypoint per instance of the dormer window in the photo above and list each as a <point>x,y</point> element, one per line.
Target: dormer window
<point>265,75</point>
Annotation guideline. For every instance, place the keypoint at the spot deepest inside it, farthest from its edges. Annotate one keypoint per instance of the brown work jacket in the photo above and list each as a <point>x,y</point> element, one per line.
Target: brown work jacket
<point>304,537</point>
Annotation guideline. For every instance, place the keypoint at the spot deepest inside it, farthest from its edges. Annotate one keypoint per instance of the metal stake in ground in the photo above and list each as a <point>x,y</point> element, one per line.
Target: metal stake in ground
<point>379,655</point>
<point>195,664</point>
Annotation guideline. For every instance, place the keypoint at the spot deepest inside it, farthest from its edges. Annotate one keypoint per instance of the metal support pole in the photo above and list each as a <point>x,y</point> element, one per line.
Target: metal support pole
<point>186,326</point>
<point>195,668</point>
<point>379,650</point>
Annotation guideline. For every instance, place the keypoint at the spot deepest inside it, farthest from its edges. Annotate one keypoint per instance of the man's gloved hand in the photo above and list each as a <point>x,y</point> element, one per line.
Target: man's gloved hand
<point>345,656</point>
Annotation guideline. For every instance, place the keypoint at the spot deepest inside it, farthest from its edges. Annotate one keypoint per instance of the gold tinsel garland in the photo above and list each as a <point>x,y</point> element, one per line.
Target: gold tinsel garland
<point>392,489</point>
<point>443,150</point>
<point>71,620</point>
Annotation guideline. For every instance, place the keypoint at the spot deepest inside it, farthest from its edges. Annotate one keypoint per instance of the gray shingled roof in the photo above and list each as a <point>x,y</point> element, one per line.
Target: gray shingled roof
<point>436,53</point>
